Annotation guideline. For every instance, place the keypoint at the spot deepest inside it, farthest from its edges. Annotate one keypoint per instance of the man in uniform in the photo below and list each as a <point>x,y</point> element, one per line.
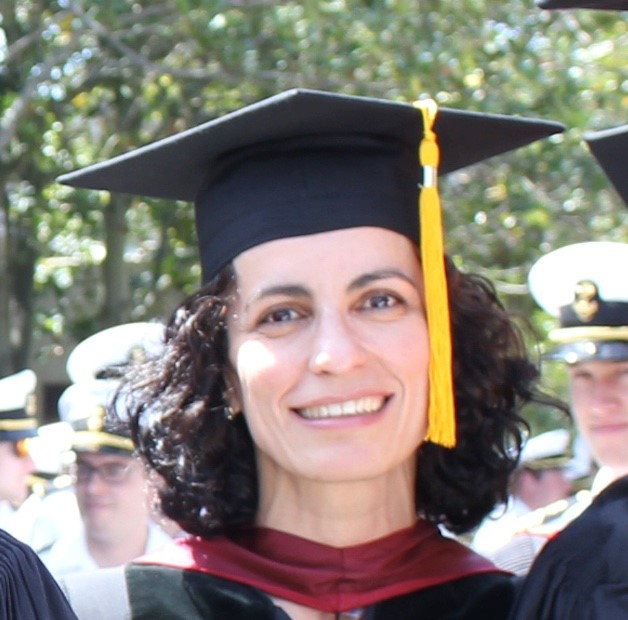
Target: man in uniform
<point>36,517</point>
<point>583,571</point>
<point>17,424</point>
<point>541,480</point>
<point>111,485</point>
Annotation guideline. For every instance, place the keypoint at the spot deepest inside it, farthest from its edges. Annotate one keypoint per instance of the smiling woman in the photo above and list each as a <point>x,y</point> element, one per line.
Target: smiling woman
<point>305,415</point>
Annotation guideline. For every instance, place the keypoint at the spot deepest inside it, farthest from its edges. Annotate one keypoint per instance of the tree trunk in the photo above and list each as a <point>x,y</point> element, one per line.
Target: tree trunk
<point>117,287</point>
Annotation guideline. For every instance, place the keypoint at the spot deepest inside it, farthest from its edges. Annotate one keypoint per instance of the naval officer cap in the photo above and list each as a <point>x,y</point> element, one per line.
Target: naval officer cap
<point>585,286</point>
<point>600,5</point>
<point>610,148</point>
<point>17,406</point>
<point>89,407</point>
<point>549,450</point>
<point>107,354</point>
<point>305,162</point>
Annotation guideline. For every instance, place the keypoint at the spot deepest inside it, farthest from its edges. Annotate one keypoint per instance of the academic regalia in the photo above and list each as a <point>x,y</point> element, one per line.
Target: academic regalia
<point>412,573</point>
<point>27,590</point>
<point>583,572</point>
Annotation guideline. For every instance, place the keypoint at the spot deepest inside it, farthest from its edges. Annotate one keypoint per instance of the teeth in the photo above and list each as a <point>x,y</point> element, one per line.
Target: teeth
<point>361,406</point>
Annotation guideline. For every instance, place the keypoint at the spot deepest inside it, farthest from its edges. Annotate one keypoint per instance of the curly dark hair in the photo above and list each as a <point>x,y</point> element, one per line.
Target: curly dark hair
<point>206,462</point>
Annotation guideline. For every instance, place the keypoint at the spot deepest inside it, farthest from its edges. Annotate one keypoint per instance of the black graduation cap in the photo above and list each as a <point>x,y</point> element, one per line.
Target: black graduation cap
<point>610,148</point>
<point>601,5</point>
<point>303,162</point>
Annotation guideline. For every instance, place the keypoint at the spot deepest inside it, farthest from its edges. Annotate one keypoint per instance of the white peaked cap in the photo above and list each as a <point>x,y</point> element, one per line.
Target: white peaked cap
<point>113,346</point>
<point>49,449</point>
<point>16,389</point>
<point>87,407</point>
<point>80,400</point>
<point>550,447</point>
<point>553,278</point>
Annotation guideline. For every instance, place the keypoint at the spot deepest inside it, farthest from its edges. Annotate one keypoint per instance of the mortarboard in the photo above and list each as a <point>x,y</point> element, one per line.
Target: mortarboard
<point>610,148</point>
<point>17,406</point>
<point>601,5</point>
<point>305,162</point>
<point>258,200</point>
<point>585,286</point>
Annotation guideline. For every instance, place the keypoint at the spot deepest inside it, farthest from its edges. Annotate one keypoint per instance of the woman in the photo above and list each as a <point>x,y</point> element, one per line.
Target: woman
<point>289,413</point>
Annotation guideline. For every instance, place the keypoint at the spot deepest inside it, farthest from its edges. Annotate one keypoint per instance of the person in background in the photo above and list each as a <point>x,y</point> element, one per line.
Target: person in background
<point>582,572</point>
<point>18,423</point>
<point>539,482</point>
<point>301,414</point>
<point>27,590</point>
<point>110,483</point>
<point>35,514</point>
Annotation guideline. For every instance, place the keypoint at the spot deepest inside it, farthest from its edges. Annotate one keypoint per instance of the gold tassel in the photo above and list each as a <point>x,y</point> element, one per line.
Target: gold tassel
<point>441,414</point>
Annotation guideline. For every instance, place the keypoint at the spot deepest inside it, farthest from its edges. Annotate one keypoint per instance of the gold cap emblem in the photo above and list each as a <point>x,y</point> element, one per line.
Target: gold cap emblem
<point>586,300</point>
<point>96,419</point>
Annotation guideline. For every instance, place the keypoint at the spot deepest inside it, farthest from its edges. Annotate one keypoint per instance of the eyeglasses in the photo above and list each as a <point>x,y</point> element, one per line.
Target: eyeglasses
<point>111,473</point>
<point>21,448</point>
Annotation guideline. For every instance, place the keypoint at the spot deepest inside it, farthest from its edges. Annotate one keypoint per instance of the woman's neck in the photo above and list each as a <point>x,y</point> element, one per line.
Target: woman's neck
<point>339,514</point>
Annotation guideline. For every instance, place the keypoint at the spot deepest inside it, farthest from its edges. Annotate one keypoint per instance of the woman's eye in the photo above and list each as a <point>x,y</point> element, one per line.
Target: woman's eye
<point>381,301</point>
<point>280,315</point>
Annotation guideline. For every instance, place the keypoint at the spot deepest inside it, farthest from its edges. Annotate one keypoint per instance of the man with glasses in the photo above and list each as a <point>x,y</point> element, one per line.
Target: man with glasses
<point>112,490</point>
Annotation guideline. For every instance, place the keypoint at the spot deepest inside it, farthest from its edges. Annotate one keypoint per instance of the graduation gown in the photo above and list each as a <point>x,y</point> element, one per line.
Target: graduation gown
<point>413,573</point>
<point>583,572</point>
<point>160,593</point>
<point>27,590</point>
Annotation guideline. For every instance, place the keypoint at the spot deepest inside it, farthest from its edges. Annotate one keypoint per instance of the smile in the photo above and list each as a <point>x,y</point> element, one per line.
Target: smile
<point>361,406</point>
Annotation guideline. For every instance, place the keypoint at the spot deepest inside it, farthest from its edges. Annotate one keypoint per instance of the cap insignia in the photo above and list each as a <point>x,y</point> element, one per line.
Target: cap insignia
<point>586,300</point>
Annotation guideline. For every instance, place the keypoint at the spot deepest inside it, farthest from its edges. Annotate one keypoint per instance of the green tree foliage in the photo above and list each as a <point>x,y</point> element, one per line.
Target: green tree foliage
<point>81,81</point>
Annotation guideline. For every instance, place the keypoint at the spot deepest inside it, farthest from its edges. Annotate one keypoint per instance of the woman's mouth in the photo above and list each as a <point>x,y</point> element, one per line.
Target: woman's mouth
<point>359,406</point>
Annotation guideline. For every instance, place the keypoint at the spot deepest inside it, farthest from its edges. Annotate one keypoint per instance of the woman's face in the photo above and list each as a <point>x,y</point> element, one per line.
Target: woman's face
<point>329,342</point>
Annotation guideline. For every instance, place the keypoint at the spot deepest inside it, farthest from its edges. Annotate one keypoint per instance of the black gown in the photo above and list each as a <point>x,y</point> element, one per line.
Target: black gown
<point>583,573</point>
<point>27,590</point>
<point>160,593</point>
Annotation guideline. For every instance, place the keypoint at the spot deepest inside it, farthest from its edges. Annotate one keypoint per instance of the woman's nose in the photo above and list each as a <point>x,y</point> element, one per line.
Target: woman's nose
<point>336,346</point>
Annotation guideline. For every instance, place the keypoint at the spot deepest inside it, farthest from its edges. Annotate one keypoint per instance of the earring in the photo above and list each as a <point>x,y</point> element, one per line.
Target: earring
<point>230,413</point>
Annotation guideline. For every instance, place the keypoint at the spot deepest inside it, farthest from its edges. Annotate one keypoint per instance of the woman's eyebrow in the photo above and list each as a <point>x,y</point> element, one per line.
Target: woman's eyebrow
<point>283,290</point>
<point>375,276</point>
<point>297,290</point>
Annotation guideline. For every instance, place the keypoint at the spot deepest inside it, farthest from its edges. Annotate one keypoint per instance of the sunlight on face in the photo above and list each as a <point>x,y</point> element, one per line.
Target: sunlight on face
<point>329,342</point>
